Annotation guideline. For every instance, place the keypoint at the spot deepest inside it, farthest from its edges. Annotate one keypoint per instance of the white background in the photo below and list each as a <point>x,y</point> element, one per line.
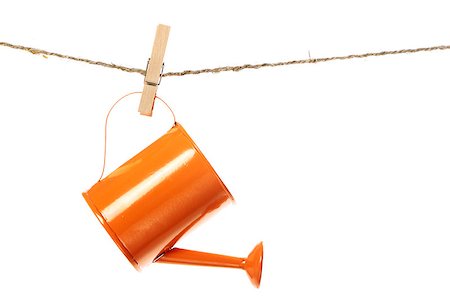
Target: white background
<point>341,168</point>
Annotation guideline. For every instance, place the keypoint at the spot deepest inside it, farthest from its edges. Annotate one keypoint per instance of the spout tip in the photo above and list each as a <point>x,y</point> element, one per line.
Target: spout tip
<point>253,265</point>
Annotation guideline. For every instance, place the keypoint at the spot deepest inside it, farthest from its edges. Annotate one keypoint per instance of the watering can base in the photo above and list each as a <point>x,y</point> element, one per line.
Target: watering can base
<point>111,232</point>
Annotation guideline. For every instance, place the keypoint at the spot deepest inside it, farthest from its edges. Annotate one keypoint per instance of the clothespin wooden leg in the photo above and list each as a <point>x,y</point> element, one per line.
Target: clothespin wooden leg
<point>153,72</point>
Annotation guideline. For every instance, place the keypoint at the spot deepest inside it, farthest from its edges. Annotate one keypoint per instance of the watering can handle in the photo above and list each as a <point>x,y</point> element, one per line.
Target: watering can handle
<point>252,264</point>
<point>106,124</point>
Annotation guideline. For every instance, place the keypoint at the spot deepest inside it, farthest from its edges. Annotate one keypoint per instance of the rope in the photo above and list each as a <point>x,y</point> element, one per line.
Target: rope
<point>228,68</point>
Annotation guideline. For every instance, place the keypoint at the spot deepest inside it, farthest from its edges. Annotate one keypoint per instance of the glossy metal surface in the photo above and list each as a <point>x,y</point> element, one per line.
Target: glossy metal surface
<point>149,202</point>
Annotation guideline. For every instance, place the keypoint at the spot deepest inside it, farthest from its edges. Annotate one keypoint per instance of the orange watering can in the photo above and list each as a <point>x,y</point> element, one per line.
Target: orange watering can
<point>153,199</point>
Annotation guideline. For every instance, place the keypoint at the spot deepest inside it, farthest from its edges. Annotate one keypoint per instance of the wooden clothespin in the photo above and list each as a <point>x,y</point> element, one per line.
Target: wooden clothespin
<point>153,72</point>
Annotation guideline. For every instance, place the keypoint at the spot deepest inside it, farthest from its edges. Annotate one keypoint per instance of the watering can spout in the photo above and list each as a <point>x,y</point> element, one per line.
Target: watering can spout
<point>252,264</point>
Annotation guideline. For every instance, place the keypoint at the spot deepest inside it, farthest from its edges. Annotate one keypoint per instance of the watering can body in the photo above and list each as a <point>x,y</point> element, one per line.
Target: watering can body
<point>149,202</point>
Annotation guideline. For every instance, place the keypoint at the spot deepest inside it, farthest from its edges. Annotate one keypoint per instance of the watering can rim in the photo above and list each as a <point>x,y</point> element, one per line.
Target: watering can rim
<point>178,125</point>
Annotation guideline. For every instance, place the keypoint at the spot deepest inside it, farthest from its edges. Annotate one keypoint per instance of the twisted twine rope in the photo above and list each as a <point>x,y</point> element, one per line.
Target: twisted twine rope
<point>226,68</point>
